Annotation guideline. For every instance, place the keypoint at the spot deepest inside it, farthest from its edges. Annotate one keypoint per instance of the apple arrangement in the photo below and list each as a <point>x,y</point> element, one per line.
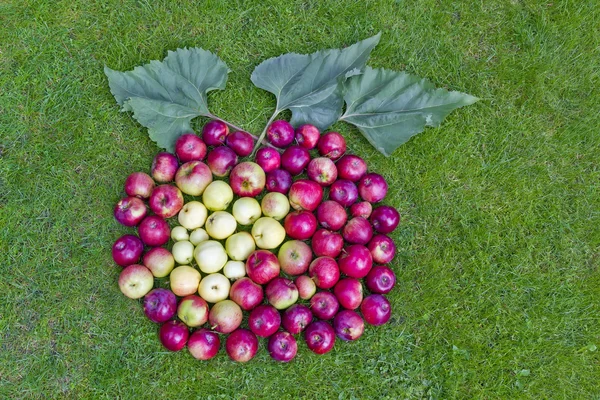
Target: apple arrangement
<point>256,231</point>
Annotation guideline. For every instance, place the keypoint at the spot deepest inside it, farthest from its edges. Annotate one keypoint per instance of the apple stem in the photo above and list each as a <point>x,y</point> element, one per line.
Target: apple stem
<point>237,128</point>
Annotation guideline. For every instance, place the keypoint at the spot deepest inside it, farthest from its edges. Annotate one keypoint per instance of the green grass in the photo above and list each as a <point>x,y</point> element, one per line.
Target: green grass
<point>498,264</point>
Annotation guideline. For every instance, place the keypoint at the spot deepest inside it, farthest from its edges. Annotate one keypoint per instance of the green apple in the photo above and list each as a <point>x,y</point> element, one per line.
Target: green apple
<point>220,225</point>
<point>267,233</point>
<point>214,288</point>
<point>239,246</point>
<point>179,233</point>
<point>246,210</point>
<point>275,205</point>
<point>210,256</point>
<point>192,215</point>
<point>197,236</point>
<point>234,269</point>
<point>184,280</point>
<point>183,252</point>
<point>217,196</point>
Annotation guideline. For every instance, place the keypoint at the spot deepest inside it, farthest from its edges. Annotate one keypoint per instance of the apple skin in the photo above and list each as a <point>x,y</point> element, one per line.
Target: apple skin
<point>282,346</point>
<point>193,177</point>
<point>130,211</point>
<point>348,325</point>
<point>324,271</point>
<point>294,257</point>
<point>166,201</point>
<point>139,184</point>
<point>173,335</point>
<point>356,261</point>
<point>234,269</point>
<point>189,147</point>
<point>246,210</point>
<point>210,256</point>
<point>372,187</point>
<point>275,205</point>
<point>296,318</point>
<point>192,215</point>
<point>225,316</point>
<point>239,246</point>
<point>262,266</point>
<point>279,180</point>
<point>193,311</point>
<point>246,293</point>
<point>127,250</point>
<point>385,219</point>
<point>281,293</point>
<point>332,145</point>
<point>305,194</point>
<point>159,261</point>
<point>247,179</point>
<point>217,196</point>
<point>183,252</point>
<point>221,160</point>
<point>154,231</point>
<point>184,280</point>
<point>351,167</point>
<point>307,136</point>
<point>349,293</point>
<point>164,166</point>
<point>382,248</point>
<point>241,142</point>
<point>135,281</point>
<point>320,337</point>
<point>380,279</point>
<point>214,133</point>
<point>331,215</point>
<point>203,344</point>
<point>322,170</point>
<point>358,231</point>
<point>268,159</point>
<point>264,320</point>
<point>220,225</point>
<point>214,288</point>
<point>268,233</point>
<point>306,287</point>
<point>327,243</point>
<point>376,309</point>
<point>344,192</point>
<point>280,133</point>
<point>324,305</point>
<point>160,305</point>
<point>362,209</point>
<point>241,345</point>
<point>300,225</point>
<point>295,159</point>
<point>179,233</point>
<point>198,236</point>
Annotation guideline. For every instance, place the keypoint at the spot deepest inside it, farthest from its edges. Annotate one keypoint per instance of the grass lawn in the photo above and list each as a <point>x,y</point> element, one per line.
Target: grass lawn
<point>499,248</point>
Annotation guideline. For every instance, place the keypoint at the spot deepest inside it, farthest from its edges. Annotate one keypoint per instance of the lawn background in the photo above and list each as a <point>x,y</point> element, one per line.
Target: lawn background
<point>498,281</point>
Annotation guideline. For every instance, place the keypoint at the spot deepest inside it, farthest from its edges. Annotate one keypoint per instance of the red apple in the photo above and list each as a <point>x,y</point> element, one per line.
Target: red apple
<point>376,309</point>
<point>305,195</point>
<point>166,201</point>
<point>320,337</point>
<point>268,158</point>
<point>294,159</point>
<point>189,147</point>
<point>349,293</point>
<point>246,293</point>
<point>214,133</point>
<point>280,133</point>
<point>281,293</point>
<point>332,145</point>
<point>322,170</point>
<point>193,311</point>
<point>324,271</point>
<point>241,345</point>
<point>324,305</point>
<point>174,335</point>
<point>154,231</point>
<point>372,187</point>
<point>351,167</point>
<point>358,231</point>
<point>160,261</point>
<point>135,281</point>
<point>300,225</point>
<point>355,261</point>
<point>262,266</point>
<point>327,243</point>
<point>241,142</point>
<point>203,344</point>
<point>127,250</point>
<point>382,249</point>
<point>380,279</point>
<point>193,177</point>
<point>247,179</point>
<point>344,192</point>
<point>130,211</point>
<point>221,160</point>
<point>296,318</point>
<point>282,346</point>
<point>385,219</point>
<point>160,305</point>
<point>264,320</point>
<point>306,287</point>
<point>139,185</point>
<point>164,167</point>
<point>362,209</point>
<point>331,215</point>
<point>279,180</point>
<point>225,316</point>
<point>348,325</point>
<point>307,136</point>
<point>294,257</point>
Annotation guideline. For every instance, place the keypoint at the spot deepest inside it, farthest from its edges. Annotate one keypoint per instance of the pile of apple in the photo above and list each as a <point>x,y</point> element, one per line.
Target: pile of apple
<point>234,249</point>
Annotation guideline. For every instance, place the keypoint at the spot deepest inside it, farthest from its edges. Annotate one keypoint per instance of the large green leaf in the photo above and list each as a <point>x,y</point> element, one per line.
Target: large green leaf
<point>390,107</point>
<point>165,96</point>
<point>309,85</point>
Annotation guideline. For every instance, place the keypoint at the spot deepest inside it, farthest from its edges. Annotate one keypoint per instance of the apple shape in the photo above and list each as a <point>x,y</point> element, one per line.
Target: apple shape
<point>324,305</point>
<point>355,261</point>
<point>358,231</point>
<point>130,211</point>
<point>300,225</point>
<point>376,309</point>
<point>349,293</point>
<point>279,180</point>
<point>246,293</point>
<point>160,305</point>
<point>362,209</point>
<point>306,287</point>
<point>221,160</point>
<point>282,346</point>
<point>192,215</point>
<point>198,236</point>
<point>220,225</point>
<point>166,201</point>
<point>307,136</point>
<point>154,231</point>
<point>264,320</point>
<point>247,179</point>
<point>275,205</point>
<point>324,271</point>
<point>296,318</point>
<point>239,246</point>
<point>139,184</point>
<point>385,219</point>
<point>225,316</point>
<point>322,170</point>
<point>268,159</point>
<point>380,279</point>
<point>294,257</point>
<point>320,337</point>
<point>281,293</point>
<point>280,133</point>
<point>214,133</point>
<point>268,233</point>
<point>127,250</point>
<point>183,252</point>
<point>305,194</point>
<point>327,243</point>
<point>332,145</point>
<point>344,192</point>
<point>135,281</point>
<point>294,159</point>
<point>214,287</point>
<point>241,345</point>
<point>331,215</point>
<point>193,177</point>
<point>372,187</point>
<point>184,280</point>
<point>173,335</point>
<point>193,311</point>
<point>164,166</point>
<point>234,269</point>
<point>382,249</point>
<point>189,147</point>
<point>179,233</point>
<point>351,167</point>
<point>203,344</point>
<point>348,325</point>
<point>210,256</point>
<point>246,210</point>
<point>217,196</point>
<point>240,142</point>
<point>159,261</point>
<point>262,266</point>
